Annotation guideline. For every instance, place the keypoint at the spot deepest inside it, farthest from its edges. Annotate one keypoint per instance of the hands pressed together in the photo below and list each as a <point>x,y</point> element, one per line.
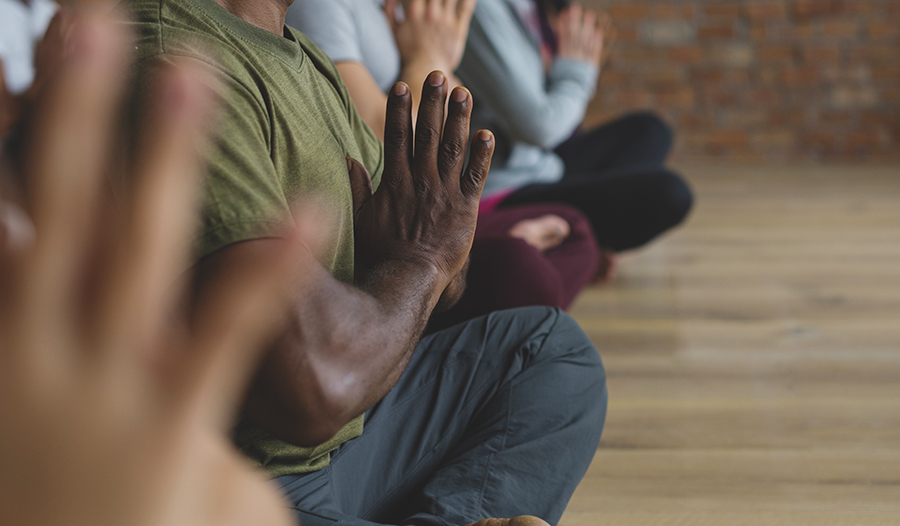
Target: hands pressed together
<point>425,210</point>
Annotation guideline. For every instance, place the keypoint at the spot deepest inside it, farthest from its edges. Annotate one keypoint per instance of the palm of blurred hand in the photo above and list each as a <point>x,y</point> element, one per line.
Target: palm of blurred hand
<point>110,415</point>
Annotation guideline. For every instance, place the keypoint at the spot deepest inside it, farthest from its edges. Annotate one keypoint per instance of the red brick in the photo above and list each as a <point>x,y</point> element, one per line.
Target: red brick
<point>801,76</point>
<point>766,10</point>
<point>822,54</point>
<point>677,98</point>
<point>761,79</point>
<point>731,11</point>
<point>729,139</point>
<point>687,55</point>
<point>626,34</point>
<point>823,140</point>
<point>844,29</point>
<point>865,140</point>
<point>810,8</point>
<point>879,29</point>
<point>628,11</point>
<point>774,53</point>
<point>715,32</point>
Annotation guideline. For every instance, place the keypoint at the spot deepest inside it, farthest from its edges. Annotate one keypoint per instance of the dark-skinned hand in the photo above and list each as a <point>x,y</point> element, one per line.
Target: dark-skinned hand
<point>425,209</point>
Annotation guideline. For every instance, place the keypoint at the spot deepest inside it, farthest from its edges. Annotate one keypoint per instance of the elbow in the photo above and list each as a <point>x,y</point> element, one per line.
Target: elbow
<point>305,408</point>
<point>537,134</point>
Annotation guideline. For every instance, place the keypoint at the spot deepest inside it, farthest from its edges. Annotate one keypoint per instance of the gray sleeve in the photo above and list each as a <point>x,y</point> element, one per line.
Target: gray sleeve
<point>330,25</point>
<point>503,69</point>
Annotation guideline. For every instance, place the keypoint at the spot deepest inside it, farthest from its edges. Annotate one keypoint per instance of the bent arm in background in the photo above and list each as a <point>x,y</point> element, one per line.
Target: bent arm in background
<point>504,70</point>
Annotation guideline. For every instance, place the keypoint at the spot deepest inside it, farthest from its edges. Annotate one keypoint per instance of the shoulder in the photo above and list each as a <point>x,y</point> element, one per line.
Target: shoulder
<point>318,10</point>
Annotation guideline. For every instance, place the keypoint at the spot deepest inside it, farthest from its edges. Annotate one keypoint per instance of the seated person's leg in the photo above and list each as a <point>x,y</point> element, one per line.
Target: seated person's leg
<point>626,209</point>
<point>498,417</point>
<point>506,272</point>
<point>639,139</point>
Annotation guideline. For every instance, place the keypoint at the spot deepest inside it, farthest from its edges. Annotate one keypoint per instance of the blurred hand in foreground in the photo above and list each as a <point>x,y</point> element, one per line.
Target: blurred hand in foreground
<point>111,413</point>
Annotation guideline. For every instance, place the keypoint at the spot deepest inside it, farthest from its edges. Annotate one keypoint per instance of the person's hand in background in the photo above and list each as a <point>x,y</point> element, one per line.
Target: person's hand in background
<point>432,32</point>
<point>115,402</point>
<point>583,34</point>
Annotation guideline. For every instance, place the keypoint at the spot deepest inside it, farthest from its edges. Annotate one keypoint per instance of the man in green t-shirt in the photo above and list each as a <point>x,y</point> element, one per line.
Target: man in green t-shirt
<point>498,417</point>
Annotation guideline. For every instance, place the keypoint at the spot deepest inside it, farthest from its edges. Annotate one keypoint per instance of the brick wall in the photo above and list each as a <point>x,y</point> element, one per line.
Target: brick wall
<point>760,80</point>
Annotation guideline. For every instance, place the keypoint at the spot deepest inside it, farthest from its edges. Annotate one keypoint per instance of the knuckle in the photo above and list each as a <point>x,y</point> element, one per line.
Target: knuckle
<point>394,135</point>
<point>427,135</point>
<point>452,150</point>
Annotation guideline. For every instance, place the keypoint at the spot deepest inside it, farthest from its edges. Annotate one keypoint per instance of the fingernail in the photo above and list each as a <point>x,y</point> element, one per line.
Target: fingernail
<point>400,89</point>
<point>349,164</point>
<point>459,95</point>
<point>436,79</point>
<point>485,135</point>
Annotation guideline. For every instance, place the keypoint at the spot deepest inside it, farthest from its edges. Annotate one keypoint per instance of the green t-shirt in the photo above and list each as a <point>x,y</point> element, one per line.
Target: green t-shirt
<point>286,128</point>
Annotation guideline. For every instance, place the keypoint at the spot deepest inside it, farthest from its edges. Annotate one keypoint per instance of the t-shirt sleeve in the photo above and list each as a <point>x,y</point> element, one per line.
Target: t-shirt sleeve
<point>243,198</point>
<point>330,24</point>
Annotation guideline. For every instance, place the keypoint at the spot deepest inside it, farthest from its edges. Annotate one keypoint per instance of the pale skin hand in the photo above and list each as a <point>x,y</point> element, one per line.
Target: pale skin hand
<point>432,37</point>
<point>111,414</point>
<point>583,34</point>
<point>433,32</point>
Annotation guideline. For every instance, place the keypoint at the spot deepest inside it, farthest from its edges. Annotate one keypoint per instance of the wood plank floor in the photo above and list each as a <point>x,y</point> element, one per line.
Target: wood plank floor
<point>753,358</point>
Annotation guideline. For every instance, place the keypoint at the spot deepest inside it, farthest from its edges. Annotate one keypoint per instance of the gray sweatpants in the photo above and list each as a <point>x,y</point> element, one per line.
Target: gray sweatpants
<point>497,417</point>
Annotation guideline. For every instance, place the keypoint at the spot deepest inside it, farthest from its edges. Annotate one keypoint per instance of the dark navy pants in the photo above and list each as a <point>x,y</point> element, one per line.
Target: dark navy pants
<point>497,417</point>
<point>615,175</point>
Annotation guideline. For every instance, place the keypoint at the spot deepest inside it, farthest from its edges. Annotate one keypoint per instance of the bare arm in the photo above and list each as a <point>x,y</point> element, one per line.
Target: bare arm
<point>346,346</point>
<point>432,37</point>
<point>505,70</point>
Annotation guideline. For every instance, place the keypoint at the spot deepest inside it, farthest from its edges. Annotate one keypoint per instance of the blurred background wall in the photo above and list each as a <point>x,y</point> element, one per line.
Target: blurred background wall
<point>760,80</point>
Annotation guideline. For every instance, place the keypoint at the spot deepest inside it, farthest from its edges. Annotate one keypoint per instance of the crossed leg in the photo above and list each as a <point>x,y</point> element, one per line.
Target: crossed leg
<point>497,417</point>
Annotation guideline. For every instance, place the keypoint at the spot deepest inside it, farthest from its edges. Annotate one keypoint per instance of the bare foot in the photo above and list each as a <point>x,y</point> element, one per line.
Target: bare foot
<point>606,267</point>
<point>543,233</point>
<point>521,520</point>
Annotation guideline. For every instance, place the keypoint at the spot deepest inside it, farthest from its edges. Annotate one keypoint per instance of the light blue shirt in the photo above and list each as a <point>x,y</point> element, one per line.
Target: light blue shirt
<point>351,31</point>
<point>530,111</point>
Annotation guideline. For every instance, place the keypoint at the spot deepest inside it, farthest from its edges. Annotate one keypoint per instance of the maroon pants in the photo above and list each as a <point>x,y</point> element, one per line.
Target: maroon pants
<point>506,272</point>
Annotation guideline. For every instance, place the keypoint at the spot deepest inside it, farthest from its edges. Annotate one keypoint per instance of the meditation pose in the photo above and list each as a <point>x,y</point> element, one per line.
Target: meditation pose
<point>541,254</point>
<point>357,418</point>
<point>532,67</point>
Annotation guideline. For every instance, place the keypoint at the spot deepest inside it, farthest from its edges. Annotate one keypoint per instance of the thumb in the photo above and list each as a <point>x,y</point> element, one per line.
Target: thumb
<point>360,184</point>
<point>390,11</point>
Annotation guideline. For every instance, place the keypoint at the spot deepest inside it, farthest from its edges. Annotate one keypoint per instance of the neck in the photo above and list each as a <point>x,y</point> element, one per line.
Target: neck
<point>264,14</point>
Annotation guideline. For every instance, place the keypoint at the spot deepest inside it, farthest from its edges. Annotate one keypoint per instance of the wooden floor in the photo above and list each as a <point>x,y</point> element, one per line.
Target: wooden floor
<point>754,358</point>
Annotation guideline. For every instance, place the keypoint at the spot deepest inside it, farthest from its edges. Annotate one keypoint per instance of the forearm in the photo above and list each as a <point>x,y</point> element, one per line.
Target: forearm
<point>343,350</point>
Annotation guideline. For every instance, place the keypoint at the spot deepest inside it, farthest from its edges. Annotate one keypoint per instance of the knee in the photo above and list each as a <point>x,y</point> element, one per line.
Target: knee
<point>570,340</point>
<point>648,126</point>
<point>515,274</point>
<point>674,198</point>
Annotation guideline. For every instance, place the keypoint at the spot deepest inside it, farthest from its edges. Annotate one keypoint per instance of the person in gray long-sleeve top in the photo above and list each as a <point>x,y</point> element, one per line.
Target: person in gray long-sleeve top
<point>532,67</point>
